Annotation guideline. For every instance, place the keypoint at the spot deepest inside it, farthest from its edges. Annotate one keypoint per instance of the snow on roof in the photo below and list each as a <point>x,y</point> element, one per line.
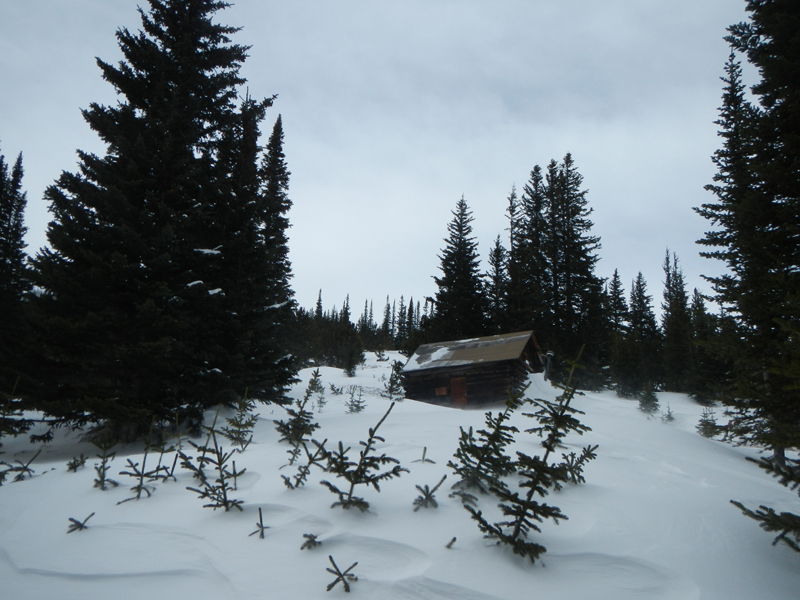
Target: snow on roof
<point>493,348</point>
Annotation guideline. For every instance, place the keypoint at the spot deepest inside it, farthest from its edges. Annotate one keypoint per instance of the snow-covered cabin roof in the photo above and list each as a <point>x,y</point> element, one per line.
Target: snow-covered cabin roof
<point>493,348</point>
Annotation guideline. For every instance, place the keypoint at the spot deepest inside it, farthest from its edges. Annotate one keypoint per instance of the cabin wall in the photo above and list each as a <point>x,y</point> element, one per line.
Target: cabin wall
<point>484,384</point>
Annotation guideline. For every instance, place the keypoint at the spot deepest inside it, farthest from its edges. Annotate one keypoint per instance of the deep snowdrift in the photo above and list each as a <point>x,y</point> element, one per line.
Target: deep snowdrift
<point>653,520</point>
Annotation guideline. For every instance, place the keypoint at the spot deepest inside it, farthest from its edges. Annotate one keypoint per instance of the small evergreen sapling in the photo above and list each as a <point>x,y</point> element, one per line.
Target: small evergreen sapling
<point>707,425</point>
<point>393,389</point>
<point>141,475</point>
<point>538,475</point>
<point>427,498</point>
<point>648,402</point>
<point>355,404</point>
<point>311,542</point>
<point>260,527</point>
<point>239,430</point>
<point>423,460</point>
<point>79,525</point>
<point>481,463</point>
<point>76,463</point>
<point>217,491</point>
<point>363,472</point>
<point>301,425</point>
<point>21,469</point>
<point>103,480</point>
<point>344,576</point>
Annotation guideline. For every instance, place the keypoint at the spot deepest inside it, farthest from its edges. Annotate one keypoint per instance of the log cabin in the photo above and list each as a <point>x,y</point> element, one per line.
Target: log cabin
<point>472,372</point>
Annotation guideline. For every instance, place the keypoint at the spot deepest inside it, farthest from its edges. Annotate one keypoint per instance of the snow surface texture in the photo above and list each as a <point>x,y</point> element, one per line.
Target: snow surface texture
<point>652,521</point>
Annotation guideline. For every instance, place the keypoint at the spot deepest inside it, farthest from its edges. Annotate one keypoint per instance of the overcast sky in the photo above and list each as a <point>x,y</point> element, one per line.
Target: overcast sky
<point>394,109</point>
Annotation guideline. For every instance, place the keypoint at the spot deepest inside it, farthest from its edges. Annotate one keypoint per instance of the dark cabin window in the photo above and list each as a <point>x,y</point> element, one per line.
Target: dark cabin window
<point>441,391</point>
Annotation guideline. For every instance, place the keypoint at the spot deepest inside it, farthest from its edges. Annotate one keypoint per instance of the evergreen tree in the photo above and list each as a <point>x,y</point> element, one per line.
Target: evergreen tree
<point>14,278</point>
<point>571,255</point>
<point>460,300</point>
<point>517,313</point>
<point>497,288</point>
<point>617,305</point>
<point>711,365</point>
<point>757,207</point>
<point>14,284</point>
<point>639,363</point>
<point>401,333</point>
<point>676,327</point>
<point>552,287</point>
<point>618,328</point>
<point>156,245</point>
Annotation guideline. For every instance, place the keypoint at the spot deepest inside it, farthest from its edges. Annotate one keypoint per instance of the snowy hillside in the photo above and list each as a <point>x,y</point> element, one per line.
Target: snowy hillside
<point>653,519</point>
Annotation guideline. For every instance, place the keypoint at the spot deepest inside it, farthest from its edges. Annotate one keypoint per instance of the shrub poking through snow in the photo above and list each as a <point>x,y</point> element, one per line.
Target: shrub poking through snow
<point>707,425</point>
<point>344,576</point>
<point>141,475</point>
<point>538,475</point>
<point>427,498</point>
<point>260,527</point>
<point>21,469</point>
<point>102,481</point>
<point>216,491</point>
<point>79,525</point>
<point>76,463</point>
<point>311,542</point>
<point>301,425</point>
<point>423,460</point>
<point>648,402</point>
<point>239,430</point>
<point>364,472</point>
<point>356,403</point>
<point>481,463</point>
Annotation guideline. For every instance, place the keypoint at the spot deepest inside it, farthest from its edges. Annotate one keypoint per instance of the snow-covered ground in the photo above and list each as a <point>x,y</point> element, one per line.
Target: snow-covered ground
<point>653,519</point>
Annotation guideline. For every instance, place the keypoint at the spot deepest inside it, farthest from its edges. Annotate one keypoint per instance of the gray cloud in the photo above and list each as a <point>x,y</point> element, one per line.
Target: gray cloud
<point>393,110</point>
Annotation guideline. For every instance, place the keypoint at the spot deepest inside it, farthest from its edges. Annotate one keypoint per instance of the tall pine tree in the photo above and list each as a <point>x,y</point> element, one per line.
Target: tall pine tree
<point>460,299</point>
<point>14,284</point>
<point>757,207</point>
<point>163,254</point>
<point>676,328</point>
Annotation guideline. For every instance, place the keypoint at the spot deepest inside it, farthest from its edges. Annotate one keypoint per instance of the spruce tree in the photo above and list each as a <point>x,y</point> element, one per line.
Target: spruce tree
<point>639,363</point>
<point>497,288</point>
<point>618,327</point>
<point>676,327</point>
<point>571,253</point>
<point>155,282</point>
<point>14,284</point>
<point>460,300</point>
<point>757,211</point>
<point>552,287</point>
